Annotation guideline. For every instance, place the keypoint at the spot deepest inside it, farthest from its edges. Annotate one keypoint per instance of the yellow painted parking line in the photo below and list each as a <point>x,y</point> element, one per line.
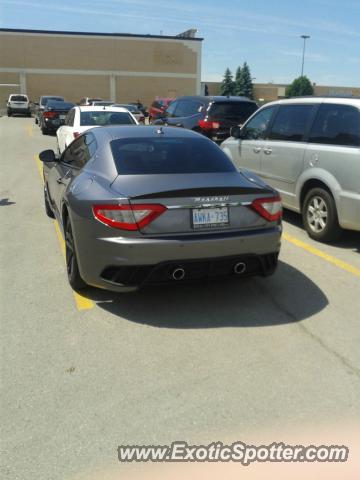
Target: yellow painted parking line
<point>82,303</point>
<point>29,130</point>
<point>39,166</point>
<point>325,256</point>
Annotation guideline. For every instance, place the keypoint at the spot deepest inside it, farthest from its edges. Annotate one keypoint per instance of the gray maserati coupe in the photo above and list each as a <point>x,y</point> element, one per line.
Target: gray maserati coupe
<point>149,205</point>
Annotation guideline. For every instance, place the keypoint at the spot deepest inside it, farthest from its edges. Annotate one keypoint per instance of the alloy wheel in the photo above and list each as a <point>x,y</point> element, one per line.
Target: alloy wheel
<point>317,214</point>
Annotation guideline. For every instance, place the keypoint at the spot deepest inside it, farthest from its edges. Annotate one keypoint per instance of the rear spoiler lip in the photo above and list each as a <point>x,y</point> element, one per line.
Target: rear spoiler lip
<point>204,191</point>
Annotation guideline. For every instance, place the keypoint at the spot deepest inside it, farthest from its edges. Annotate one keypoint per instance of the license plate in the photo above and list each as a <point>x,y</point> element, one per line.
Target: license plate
<point>210,217</point>
<point>62,117</point>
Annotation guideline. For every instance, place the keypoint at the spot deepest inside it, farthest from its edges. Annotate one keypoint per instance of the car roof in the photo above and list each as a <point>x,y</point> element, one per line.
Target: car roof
<point>355,101</point>
<point>101,108</point>
<point>113,132</point>
<point>52,96</point>
<point>215,98</point>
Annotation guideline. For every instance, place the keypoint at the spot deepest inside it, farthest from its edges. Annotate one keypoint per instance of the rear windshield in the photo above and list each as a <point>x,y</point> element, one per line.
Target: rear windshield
<point>45,100</point>
<point>102,118</point>
<point>59,105</point>
<point>239,111</point>
<point>144,156</point>
<point>18,98</point>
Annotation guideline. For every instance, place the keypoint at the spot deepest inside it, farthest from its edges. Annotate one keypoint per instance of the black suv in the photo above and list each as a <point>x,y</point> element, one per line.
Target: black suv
<point>211,116</point>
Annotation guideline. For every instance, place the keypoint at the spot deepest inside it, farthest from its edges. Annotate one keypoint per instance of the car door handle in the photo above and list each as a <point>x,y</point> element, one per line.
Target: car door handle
<point>257,149</point>
<point>267,151</point>
<point>179,125</point>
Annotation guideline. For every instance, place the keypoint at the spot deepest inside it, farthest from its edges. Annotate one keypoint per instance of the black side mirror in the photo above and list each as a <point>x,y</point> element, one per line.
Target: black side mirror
<point>235,132</point>
<point>48,156</point>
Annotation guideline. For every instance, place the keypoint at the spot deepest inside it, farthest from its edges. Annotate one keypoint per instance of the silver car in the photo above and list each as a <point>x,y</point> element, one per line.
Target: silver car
<point>309,150</point>
<point>152,205</point>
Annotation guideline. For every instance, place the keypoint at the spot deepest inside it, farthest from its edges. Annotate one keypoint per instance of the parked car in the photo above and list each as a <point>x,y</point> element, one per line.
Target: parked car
<point>133,109</point>
<point>53,115</point>
<point>211,116</point>
<point>155,205</point>
<point>18,104</point>
<point>89,101</point>
<point>309,150</point>
<point>40,106</point>
<point>140,107</point>
<point>157,108</point>
<point>80,119</point>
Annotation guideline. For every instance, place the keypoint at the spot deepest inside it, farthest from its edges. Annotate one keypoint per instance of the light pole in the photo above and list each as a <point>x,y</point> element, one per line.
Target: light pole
<point>304,37</point>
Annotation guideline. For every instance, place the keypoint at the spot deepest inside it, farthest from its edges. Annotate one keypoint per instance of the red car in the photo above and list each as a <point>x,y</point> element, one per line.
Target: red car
<point>157,107</point>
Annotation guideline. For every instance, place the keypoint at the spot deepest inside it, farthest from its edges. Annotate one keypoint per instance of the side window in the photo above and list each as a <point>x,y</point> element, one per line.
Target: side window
<point>336,125</point>
<point>188,108</point>
<point>77,154</point>
<point>291,123</point>
<point>256,128</point>
<point>91,144</point>
<point>170,111</point>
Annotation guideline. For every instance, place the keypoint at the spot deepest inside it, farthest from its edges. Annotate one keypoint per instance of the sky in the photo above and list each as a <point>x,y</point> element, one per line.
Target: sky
<point>264,33</point>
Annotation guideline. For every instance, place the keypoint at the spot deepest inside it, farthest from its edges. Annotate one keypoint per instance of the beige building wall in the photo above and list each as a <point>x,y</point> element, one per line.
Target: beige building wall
<point>146,89</point>
<point>78,65</point>
<point>7,79</point>
<point>72,87</point>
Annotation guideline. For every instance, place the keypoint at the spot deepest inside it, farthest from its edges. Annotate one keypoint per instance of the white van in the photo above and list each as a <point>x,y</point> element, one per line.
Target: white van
<point>309,150</point>
<point>18,103</point>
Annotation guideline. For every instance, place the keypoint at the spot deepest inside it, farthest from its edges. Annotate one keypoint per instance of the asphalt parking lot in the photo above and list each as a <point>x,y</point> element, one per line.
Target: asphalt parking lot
<point>84,374</point>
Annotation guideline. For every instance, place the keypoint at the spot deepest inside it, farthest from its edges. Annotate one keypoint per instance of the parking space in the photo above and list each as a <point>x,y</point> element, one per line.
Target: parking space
<point>85,373</point>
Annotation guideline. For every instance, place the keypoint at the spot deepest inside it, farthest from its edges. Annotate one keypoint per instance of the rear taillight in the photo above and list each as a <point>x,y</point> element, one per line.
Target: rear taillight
<point>76,134</point>
<point>50,114</point>
<point>268,208</point>
<point>208,125</point>
<point>127,217</point>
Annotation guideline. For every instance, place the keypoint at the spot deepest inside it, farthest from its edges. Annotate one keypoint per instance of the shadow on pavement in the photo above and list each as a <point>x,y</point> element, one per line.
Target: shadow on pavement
<point>286,297</point>
<point>5,202</point>
<point>349,238</point>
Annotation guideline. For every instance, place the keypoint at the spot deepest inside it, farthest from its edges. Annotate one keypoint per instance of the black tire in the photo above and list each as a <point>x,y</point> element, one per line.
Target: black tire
<point>36,121</point>
<point>44,131</point>
<point>320,217</point>
<point>9,113</point>
<point>72,267</point>
<point>48,208</point>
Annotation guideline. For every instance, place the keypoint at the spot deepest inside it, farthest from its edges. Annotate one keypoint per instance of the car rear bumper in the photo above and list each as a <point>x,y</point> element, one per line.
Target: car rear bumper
<point>124,263</point>
<point>18,110</point>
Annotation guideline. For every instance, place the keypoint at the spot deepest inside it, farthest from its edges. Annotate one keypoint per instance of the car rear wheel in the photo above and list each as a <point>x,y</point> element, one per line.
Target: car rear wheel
<point>72,267</point>
<point>36,121</point>
<point>320,216</point>
<point>9,113</point>
<point>44,130</point>
<point>48,208</point>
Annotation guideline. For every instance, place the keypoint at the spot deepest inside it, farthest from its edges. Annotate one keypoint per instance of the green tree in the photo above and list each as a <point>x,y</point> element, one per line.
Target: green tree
<point>246,82</point>
<point>239,84</point>
<point>227,85</point>
<point>300,86</point>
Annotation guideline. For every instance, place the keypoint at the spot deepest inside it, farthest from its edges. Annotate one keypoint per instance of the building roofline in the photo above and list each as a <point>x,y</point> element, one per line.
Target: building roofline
<point>96,34</point>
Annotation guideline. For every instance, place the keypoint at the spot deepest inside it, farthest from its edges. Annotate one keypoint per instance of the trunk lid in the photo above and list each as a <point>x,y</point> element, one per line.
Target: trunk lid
<point>196,203</point>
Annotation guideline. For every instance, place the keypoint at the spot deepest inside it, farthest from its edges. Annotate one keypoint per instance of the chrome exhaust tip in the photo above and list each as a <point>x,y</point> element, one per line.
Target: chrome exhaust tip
<point>178,274</point>
<point>239,268</point>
